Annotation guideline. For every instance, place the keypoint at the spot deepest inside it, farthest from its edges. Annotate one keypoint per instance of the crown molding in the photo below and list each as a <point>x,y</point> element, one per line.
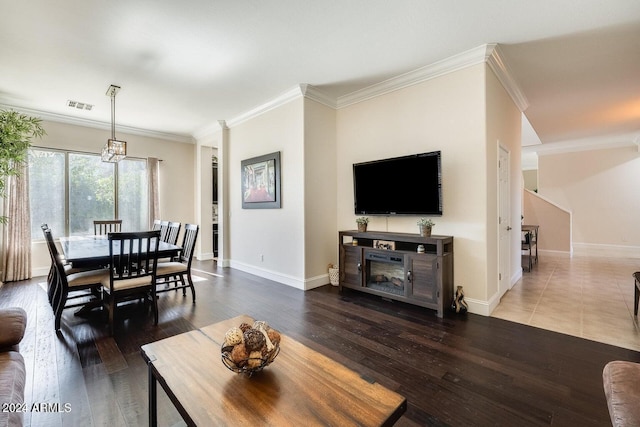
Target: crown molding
<point>207,133</point>
<point>96,124</point>
<point>314,94</point>
<point>488,53</point>
<point>495,59</point>
<point>457,62</point>
<point>584,144</point>
<point>293,93</point>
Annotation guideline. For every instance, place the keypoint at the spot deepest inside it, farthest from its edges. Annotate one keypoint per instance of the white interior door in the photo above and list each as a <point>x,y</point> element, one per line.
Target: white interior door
<point>504,226</point>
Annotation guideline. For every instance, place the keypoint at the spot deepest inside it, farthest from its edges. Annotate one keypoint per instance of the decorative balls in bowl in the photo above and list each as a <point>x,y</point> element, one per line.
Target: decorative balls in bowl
<point>248,349</point>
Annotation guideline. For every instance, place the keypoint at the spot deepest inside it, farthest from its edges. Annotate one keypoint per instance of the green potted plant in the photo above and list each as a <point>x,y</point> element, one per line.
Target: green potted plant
<point>362,223</point>
<point>16,132</point>
<point>425,225</point>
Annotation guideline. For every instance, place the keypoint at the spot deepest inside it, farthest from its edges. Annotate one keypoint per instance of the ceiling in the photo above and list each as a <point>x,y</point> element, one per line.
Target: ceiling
<point>185,65</point>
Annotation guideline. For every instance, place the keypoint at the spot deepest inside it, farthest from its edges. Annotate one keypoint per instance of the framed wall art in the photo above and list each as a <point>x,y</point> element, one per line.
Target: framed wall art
<point>261,182</point>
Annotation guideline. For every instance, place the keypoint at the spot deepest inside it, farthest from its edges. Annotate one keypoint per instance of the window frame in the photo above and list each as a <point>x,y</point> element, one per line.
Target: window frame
<point>67,154</point>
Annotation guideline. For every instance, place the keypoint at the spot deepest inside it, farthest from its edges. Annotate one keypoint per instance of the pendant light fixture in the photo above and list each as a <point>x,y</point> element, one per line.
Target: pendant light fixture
<point>114,150</point>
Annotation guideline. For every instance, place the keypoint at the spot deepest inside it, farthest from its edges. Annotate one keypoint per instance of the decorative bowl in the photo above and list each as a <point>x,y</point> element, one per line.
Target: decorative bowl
<point>248,349</point>
<point>249,365</point>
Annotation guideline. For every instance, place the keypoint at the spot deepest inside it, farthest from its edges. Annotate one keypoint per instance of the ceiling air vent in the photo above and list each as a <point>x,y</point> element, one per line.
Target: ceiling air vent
<point>79,105</point>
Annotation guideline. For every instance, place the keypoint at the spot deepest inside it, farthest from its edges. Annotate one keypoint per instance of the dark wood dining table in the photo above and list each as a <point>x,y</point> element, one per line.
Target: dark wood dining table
<point>93,252</point>
<point>90,251</point>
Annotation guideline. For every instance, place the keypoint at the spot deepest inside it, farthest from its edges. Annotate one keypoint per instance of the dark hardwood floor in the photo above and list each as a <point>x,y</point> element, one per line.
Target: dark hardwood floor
<point>458,371</point>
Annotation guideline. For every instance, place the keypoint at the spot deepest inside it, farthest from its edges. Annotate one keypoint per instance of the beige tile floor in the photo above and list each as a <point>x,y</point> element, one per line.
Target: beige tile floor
<point>587,297</point>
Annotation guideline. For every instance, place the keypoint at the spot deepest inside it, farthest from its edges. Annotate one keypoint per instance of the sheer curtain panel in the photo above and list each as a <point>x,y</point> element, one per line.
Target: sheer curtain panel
<point>17,243</point>
<point>154,199</point>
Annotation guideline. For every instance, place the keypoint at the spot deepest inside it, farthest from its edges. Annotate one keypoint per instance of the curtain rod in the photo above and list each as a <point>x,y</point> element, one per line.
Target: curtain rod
<point>83,152</point>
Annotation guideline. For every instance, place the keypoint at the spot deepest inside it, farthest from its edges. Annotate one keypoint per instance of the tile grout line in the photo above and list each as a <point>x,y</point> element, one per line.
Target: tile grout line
<point>535,307</point>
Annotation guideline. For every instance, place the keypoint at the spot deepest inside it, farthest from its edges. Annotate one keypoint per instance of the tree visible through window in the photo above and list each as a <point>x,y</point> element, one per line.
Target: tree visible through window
<point>74,189</point>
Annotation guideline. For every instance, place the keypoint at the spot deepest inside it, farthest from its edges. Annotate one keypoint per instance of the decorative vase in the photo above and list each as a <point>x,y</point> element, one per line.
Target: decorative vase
<point>362,228</point>
<point>458,304</point>
<point>425,231</point>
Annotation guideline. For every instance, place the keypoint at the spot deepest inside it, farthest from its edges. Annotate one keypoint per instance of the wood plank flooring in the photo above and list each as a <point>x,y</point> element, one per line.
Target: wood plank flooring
<point>457,371</point>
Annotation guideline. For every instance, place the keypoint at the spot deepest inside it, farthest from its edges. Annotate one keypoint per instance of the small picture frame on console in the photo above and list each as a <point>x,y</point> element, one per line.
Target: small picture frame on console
<point>384,244</point>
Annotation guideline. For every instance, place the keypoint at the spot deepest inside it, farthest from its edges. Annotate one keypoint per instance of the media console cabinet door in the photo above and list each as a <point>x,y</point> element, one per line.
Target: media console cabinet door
<point>351,266</point>
<point>423,272</point>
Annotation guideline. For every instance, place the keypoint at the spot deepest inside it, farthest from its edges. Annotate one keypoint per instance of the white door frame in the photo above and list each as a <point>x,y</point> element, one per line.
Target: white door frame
<point>504,220</point>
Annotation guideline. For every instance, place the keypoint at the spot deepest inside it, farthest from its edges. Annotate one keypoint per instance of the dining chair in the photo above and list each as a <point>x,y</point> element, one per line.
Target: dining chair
<point>156,224</point>
<point>525,246</point>
<point>171,236</point>
<point>133,259</point>
<point>176,271</point>
<point>102,227</point>
<point>51,276</point>
<point>66,287</point>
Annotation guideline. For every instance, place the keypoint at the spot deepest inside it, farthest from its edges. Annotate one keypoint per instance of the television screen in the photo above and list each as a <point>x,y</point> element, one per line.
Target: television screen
<point>408,185</point>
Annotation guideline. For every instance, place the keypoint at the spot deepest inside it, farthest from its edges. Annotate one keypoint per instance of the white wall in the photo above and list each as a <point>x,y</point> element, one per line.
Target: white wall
<point>269,242</point>
<point>448,114</point>
<point>601,188</point>
<point>320,176</point>
<point>504,127</point>
<point>177,172</point>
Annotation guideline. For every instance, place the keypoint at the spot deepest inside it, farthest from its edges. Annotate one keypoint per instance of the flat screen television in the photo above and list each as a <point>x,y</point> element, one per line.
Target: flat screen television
<point>407,185</point>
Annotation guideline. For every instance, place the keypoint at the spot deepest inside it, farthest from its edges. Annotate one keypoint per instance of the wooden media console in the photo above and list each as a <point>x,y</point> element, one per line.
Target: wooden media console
<point>390,265</point>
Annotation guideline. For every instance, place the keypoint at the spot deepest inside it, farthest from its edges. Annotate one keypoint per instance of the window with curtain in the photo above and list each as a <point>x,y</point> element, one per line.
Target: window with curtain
<point>69,190</point>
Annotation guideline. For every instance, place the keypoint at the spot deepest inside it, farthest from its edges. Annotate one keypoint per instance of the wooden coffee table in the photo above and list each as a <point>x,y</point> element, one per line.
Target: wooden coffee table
<point>301,386</point>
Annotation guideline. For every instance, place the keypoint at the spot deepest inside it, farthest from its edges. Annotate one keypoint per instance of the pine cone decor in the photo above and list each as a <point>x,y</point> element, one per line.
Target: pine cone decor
<point>248,349</point>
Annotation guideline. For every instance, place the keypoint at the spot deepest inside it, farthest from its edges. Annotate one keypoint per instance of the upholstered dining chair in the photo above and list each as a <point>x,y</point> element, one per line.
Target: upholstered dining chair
<point>176,271</point>
<point>133,259</point>
<point>102,227</point>
<point>65,287</point>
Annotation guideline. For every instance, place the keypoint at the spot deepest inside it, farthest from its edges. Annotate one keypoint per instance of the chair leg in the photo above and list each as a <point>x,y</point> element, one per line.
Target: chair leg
<point>193,289</point>
<point>637,297</point>
<point>183,284</point>
<point>59,307</point>
<point>52,279</point>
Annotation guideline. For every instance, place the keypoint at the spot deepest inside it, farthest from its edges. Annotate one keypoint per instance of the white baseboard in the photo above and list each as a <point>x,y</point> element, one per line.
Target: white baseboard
<point>205,256</point>
<point>609,251</point>
<point>561,254</point>
<point>295,282</point>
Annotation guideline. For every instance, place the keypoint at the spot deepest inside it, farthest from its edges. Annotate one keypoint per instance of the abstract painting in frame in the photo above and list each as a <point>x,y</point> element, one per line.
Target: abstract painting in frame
<point>261,182</point>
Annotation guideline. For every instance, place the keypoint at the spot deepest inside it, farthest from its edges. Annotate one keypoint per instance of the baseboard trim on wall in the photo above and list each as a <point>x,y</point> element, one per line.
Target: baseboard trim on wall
<point>609,251</point>
<point>294,282</point>
<point>483,308</point>
<point>561,254</point>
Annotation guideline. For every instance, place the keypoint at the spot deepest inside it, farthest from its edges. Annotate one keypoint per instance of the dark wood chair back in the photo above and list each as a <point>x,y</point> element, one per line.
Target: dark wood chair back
<point>133,256</point>
<point>171,236</point>
<point>164,229</point>
<point>103,227</point>
<point>189,243</point>
<point>133,260</point>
